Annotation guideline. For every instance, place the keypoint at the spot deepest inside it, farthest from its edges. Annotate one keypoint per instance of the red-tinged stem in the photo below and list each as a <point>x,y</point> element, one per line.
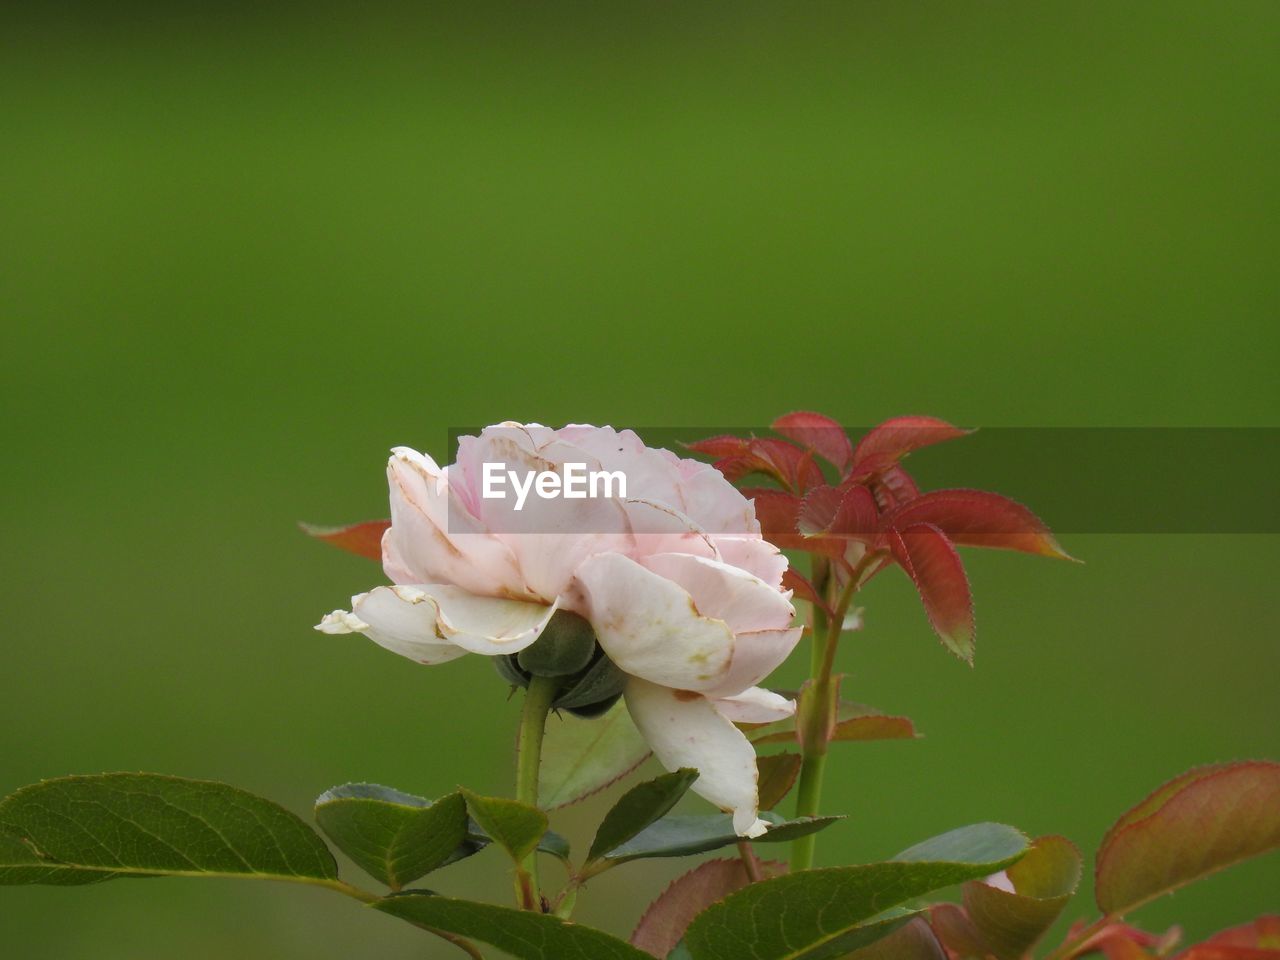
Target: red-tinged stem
<point>1072,945</point>
<point>750,862</point>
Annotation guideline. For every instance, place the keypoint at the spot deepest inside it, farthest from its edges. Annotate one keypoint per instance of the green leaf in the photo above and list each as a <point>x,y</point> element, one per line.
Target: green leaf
<point>684,836</point>
<point>778,774</point>
<point>555,845</point>
<point>639,807</point>
<point>551,843</point>
<point>78,830</point>
<point>667,918</point>
<point>1043,881</point>
<point>392,836</point>
<point>1195,824</point>
<point>976,843</point>
<point>524,934</point>
<point>514,826</point>
<point>581,757</point>
<point>20,864</point>
<point>820,914</point>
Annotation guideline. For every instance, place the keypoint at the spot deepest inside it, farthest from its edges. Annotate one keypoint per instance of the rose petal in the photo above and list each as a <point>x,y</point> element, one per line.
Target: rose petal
<point>549,536</point>
<point>754,555</point>
<point>686,730</point>
<point>649,626</point>
<point>487,625</point>
<point>435,539</point>
<point>724,592</point>
<point>756,654</point>
<point>755,705</point>
<point>398,625</point>
<point>432,623</point>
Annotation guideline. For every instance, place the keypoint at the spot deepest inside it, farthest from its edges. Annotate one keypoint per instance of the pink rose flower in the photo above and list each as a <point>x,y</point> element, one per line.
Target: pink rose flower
<point>682,591</point>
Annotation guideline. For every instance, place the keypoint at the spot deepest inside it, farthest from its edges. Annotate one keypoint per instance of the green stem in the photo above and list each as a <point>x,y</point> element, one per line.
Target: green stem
<point>568,900</point>
<point>819,702</point>
<point>813,738</point>
<point>533,721</point>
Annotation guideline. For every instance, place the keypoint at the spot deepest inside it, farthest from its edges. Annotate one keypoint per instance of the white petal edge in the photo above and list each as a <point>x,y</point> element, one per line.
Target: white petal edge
<point>685,729</point>
<point>649,626</point>
<point>725,592</point>
<point>394,624</point>
<point>433,623</point>
<point>755,705</point>
<point>755,655</point>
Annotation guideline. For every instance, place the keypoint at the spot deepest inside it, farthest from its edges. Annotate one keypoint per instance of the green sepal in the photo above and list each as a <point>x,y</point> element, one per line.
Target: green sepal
<point>601,682</point>
<point>564,648</point>
<point>595,709</point>
<point>509,670</point>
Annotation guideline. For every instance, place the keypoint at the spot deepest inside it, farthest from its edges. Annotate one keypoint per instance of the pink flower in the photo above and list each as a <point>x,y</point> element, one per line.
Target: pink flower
<point>682,591</point>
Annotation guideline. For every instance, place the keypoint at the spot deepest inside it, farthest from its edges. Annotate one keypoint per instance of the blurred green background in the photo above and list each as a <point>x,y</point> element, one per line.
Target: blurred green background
<point>244,250</point>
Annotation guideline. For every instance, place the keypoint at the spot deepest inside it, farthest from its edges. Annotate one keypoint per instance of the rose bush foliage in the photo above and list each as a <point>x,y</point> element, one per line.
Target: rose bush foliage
<point>650,619</point>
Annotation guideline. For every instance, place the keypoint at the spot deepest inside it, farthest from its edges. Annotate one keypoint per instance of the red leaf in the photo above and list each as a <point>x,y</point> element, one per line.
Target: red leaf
<point>778,513</point>
<point>1259,940</point>
<point>667,918</point>
<point>892,487</point>
<point>1122,941</point>
<point>1122,948</point>
<point>975,518</point>
<point>736,467</point>
<point>934,566</point>
<point>362,539</point>
<point>1263,933</point>
<point>1194,825</point>
<point>852,723</point>
<point>803,589</point>
<point>793,467</point>
<point>897,437</point>
<point>847,511</point>
<point>721,446</point>
<point>952,926</point>
<point>887,481</point>
<point>819,509</point>
<point>1043,881</point>
<point>820,434</point>
<point>777,775</point>
<point>914,940</point>
<point>874,726</point>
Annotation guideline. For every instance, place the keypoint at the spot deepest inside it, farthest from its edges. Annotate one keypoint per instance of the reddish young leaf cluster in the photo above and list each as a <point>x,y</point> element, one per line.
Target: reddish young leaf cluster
<point>1195,824</point>
<point>1258,940</point>
<point>874,514</point>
